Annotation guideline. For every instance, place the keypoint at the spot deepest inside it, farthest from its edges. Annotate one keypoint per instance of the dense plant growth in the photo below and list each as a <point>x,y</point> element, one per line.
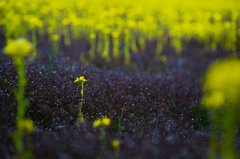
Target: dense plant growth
<point>119,79</point>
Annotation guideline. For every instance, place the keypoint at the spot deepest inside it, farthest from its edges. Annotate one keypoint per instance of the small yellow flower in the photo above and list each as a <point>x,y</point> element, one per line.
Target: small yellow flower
<point>92,36</point>
<point>115,143</point>
<point>55,37</point>
<point>97,123</point>
<point>81,79</point>
<point>20,47</point>
<point>27,124</point>
<point>106,121</point>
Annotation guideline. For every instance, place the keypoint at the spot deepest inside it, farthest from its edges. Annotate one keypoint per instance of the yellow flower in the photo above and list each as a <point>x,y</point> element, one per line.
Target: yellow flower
<point>21,47</point>
<point>163,58</point>
<point>115,34</point>
<point>80,80</point>
<point>215,99</point>
<point>115,143</point>
<point>92,36</point>
<point>97,123</point>
<point>27,124</point>
<point>55,37</point>
<point>222,82</point>
<point>106,121</point>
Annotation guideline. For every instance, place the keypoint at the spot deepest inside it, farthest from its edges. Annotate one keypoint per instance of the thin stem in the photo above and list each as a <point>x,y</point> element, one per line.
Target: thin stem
<point>22,103</point>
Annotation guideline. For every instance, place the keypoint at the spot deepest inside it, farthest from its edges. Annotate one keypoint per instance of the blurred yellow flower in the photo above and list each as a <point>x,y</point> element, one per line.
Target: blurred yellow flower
<point>92,36</point>
<point>115,34</point>
<point>222,82</point>
<point>97,123</point>
<point>115,143</point>
<point>50,30</point>
<point>106,30</point>
<point>27,124</point>
<point>81,79</point>
<point>2,4</point>
<point>80,120</point>
<point>21,47</point>
<point>215,99</point>
<point>34,21</point>
<point>106,121</point>
<point>65,21</point>
<point>163,58</point>
<point>55,37</point>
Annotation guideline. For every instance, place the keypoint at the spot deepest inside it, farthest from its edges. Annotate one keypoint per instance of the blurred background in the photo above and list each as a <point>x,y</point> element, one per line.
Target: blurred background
<point>121,28</point>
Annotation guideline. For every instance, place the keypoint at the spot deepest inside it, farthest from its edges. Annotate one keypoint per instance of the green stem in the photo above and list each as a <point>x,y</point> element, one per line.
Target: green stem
<point>51,60</point>
<point>22,103</point>
<point>103,135</point>
<point>126,47</point>
<point>229,126</point>
<point>120,120</point>
<point>106,47</point>
<point>214,134</point>
<point>80,115</point>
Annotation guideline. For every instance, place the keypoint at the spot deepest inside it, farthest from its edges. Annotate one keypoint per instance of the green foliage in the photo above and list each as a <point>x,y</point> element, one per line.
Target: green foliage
<point>120,120</point>
<point>53,55</point>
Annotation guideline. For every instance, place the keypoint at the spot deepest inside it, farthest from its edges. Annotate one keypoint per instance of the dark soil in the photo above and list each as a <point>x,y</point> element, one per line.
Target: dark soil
<point>162,118</point>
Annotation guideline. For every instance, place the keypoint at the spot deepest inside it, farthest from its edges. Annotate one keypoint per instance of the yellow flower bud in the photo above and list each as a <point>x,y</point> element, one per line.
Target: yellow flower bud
<point>106,121</point>
<point>97,123</point>
<point>92,36</point>
<point>115,143</point>
<point>27,124</point>
<point>55,37</point>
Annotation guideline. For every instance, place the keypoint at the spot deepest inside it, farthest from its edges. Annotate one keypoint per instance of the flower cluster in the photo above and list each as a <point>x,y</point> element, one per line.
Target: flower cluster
<point>104,121</point>
<point>21,47</point>
<point>81,79</point>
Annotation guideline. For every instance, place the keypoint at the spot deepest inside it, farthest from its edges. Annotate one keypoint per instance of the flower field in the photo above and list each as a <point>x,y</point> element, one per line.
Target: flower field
<point>119,79</point>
